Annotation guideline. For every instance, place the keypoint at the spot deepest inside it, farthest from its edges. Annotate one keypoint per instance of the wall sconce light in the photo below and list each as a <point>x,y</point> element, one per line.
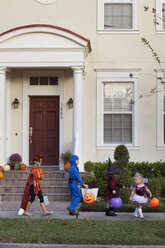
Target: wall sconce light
<point>70,103</point>
<point>16,103</point>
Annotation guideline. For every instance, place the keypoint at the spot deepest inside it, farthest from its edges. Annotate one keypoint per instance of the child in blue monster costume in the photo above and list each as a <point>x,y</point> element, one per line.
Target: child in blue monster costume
<point>74,180</point>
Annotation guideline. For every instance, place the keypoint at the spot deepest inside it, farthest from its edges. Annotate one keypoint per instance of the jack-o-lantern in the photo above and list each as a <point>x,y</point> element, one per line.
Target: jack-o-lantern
<point>1,168</point>
<point>67,166</point>
<point>89,198</point>
<point>23,166</point>
<point>1,175</point>
<point>6,167</point>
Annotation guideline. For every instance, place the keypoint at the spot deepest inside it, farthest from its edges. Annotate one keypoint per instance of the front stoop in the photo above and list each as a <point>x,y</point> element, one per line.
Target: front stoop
<point>54,184</point>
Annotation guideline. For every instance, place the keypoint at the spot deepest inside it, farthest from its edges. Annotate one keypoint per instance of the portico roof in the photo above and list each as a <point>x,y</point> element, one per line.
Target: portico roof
<point>42,45</point>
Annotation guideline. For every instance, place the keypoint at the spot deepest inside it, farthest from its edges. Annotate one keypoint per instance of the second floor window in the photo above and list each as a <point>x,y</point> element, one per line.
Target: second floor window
<point>117,15</point>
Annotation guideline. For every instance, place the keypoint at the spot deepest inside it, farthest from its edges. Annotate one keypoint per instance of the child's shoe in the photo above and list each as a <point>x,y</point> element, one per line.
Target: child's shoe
<point>141,214</point>
<point>136,213</point>
<point>110,212</point>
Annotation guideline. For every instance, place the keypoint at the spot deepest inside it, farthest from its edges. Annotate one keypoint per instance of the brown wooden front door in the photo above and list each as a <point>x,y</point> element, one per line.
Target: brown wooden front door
<point>44,128</point>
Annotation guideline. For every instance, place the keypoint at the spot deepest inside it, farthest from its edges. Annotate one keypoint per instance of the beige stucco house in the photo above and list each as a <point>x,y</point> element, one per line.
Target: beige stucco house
<point>53,51</point>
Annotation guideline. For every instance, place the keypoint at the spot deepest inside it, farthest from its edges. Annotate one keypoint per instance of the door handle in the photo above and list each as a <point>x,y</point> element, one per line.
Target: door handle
<point>30,134</point>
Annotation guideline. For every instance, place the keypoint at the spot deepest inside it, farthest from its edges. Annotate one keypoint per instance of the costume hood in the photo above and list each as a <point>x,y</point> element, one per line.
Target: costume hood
<point>73,159</point>
<point>111,168</point>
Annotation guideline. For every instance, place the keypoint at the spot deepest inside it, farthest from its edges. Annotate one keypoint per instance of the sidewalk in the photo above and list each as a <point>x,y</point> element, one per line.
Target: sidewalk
<point>11,245</point>
<point>10,210</point>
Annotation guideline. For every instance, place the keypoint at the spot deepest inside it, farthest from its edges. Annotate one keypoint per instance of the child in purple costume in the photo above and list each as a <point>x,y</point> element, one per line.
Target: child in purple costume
<point>138,195</point>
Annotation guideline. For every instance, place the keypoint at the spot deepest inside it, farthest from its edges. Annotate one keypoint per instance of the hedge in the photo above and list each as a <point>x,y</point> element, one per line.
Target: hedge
<point>155,169</point>
<point>155,172</point>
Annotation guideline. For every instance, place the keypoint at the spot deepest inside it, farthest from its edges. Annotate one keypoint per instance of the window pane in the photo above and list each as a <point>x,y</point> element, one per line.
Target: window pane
<point>53,81</point>
<point>43,80</point>
<point>118,16</point>
<point>33,80</point>
<point>117,128</point>
<point>164,129</point>
<point>117,97</point>
<point>163,14</point>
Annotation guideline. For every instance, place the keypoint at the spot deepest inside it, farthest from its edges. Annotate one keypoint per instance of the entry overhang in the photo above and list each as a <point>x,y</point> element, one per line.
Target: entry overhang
<point>42,45</point>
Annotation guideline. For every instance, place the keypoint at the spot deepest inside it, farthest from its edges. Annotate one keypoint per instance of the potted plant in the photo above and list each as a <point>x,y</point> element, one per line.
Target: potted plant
<point>65,157</point>
<point>15,160</point>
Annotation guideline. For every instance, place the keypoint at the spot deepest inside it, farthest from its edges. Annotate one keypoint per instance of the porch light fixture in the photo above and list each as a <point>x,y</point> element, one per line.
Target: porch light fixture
<point>70,103</point>
<point>16,103</point>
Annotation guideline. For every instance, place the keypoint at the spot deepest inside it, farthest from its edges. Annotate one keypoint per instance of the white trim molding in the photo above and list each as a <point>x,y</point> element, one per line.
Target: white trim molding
<point>28,91</point>
<point>100,17</point>
<point>160,111</point>
<point>46,1</point>
<point>116,75</point>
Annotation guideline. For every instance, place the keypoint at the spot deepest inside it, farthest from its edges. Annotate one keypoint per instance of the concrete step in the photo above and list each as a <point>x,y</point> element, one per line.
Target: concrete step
<point>18,197</point>
<point>45,182</point>
<point>24,174</point>
<point>46,189</point>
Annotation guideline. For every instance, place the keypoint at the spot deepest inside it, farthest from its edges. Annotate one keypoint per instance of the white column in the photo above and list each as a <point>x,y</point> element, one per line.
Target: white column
<point>2,115</point>
<point>77,143</point>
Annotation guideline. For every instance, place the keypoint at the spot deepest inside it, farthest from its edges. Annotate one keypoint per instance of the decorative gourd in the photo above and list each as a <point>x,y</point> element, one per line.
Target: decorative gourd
<point>1,175</point>
<point>23,167</point>
<point>1,168</point>
<point>67,166</point>
<point>6,167</point>
<point>89,198</point>
<point>154,202</point>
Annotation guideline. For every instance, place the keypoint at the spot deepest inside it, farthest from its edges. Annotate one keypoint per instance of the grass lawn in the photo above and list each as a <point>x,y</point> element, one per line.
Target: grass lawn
<point>92,232</point>
<point>100,206</point>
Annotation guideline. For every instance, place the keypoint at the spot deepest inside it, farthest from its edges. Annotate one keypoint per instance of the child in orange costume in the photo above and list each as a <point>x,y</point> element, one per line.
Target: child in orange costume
<point>33,188</point>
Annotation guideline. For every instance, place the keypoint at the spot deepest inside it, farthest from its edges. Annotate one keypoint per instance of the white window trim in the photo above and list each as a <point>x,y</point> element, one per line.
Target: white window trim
<point>109,75</point>
<point>100,16</point>
<point>46,1</point>
<point>160,114</point>
<point>159,12</point>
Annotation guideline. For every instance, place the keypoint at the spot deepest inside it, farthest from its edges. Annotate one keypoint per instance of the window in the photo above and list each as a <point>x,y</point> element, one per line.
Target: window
<point>160,111</point>
<point>43,81</point>
<point>117,15</point>
<point>160,11</point>
<point>163,14</point>
<point>118,112</point>
<point>116,109</point>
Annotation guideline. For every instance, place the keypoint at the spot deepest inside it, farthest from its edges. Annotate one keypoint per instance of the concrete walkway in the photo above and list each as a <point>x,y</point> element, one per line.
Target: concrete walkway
<point>16,245</point>
<point>10,210</point>
<point>58,214</point>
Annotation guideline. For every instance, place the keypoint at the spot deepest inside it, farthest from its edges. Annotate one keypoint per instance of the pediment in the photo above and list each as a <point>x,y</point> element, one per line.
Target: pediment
<point>43,36</point>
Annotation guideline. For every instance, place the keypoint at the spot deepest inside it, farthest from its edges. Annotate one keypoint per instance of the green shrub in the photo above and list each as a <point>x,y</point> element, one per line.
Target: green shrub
<point>147,169</point>
<point>89,166</point>
<point>91,181</point>
<point>124,178</point>
<point>162,185</point>
<point>89,178</point>
<point>121,155</point>
<point>155,186</point>
<point>100,176</point>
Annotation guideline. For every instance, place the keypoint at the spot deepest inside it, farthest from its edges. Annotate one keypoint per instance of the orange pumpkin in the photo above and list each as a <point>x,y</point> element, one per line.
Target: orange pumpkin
<point>1,168</point>
<point>154,202</point>
<point>1,175</point>
<point>23,166</point>
<point>67,166</point>
<point>89,198</point>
